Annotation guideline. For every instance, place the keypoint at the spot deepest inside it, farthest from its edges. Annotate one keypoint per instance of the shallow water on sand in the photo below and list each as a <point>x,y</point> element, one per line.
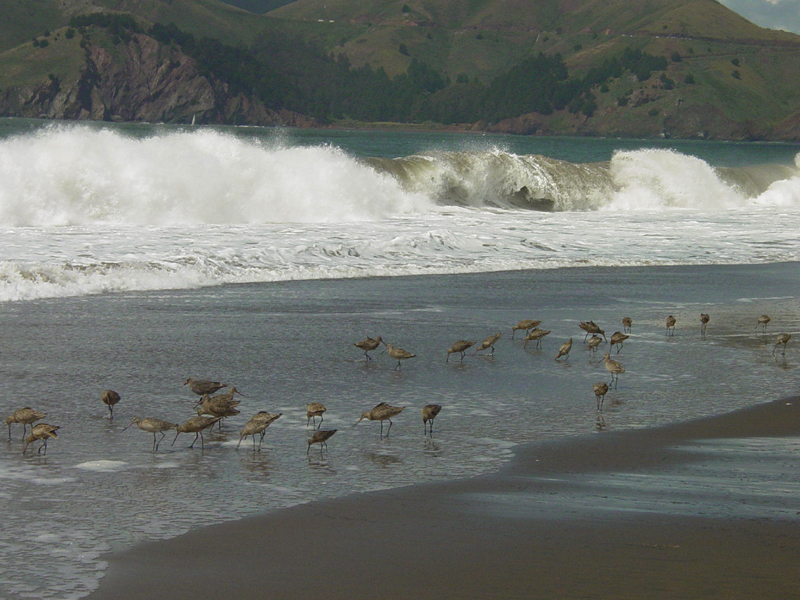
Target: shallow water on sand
<point>286,344</point>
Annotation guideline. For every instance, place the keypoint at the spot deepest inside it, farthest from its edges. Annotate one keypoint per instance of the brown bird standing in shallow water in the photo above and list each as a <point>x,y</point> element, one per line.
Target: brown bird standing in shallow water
<point>594,342</point>
<point>398,354</point>
<point>536,335</point>
<point>526,325</point>
<point>382,412</point>
<point>613,367</point>
<point>25,416</point>
<point>314,410</point>
<point>257,425</point>
<point>564,349</point>
<point>762,322</point>
<point>626,324</point>
<point>202,387</point>
<point>670,325</point>
<point>110,398</point>
<point>704,319</point>
<point>321,437</point>
<point>460,346</point>
<point>429,413</point>
<point>591,327</point>
<point>617,339</point>
<point>154,426</point>
<point>42,431</point>
<point>600,391</point>
<point>196,425</point>
<point>782,339</point>
<point>368,345</point>
<point>489,343</point>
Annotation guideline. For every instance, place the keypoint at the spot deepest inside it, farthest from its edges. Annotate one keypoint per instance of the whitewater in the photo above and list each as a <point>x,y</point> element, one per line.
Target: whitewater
<point>88,209</point>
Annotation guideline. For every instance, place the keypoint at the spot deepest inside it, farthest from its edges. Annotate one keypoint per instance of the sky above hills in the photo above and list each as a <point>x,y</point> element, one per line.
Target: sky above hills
<point>774,14</point>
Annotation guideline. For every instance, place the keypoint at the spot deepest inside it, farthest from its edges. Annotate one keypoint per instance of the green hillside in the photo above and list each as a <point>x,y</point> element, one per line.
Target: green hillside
<point>615,67</point>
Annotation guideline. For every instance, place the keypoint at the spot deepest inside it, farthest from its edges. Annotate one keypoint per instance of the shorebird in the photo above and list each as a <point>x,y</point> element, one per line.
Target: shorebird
<point>460,346</point>
<point>110,398</point>
<point>196,425</point>
<point>537,335</point>
<point>525,325</point>
<point>489,343</point>
<point>257,425</point>
<point>25,416</point>
<point>429,412</point>
<point>782,339</point>
<point>762,321</point>
<point>591,327</point>
<point>218,406</point>
<point>320,437</point>
<point>626,324</point>
<point>613,367</point>
<point>154,426</point>
<point>704,319</point>
<point>368,345</point>
<point>594,342</point>
<point>202,387</point>
<point>398,354</point>
<point>314,410</point>
<point>382,412</point>
<point>42,431</point>
<point>600,391</point>
<point>564,349</point>
<point>617,339</point>
<point>670,325</point>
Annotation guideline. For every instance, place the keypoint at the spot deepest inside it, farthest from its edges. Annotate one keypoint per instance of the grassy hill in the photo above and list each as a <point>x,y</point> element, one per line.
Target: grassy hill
<point>723,76</point>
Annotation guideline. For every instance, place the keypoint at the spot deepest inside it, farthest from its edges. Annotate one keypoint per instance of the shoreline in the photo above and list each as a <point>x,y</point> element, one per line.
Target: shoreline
<point>551,523</point>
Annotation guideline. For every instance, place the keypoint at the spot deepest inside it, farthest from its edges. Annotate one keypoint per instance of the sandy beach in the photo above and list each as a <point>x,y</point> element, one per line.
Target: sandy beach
<point>555,523</point>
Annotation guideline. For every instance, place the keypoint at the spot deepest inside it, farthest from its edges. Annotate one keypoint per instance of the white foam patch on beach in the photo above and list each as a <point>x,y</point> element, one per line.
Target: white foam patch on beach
<point>102,466</point>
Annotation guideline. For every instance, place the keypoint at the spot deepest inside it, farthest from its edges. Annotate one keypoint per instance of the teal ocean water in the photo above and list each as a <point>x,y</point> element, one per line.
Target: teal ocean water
<point>137,256</point>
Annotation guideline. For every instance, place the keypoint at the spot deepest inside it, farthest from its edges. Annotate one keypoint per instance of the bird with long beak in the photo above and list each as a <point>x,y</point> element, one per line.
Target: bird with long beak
<point>382,412</point>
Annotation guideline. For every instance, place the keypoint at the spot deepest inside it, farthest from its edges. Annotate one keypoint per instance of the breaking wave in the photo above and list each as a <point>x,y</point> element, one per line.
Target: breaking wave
<point>67,175</point>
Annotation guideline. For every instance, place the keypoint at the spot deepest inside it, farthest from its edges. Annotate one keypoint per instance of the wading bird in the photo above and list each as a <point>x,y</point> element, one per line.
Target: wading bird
<point>154,426</point>
<point>594,342</point>
<point>196,425</point>
<point>590,327</point>
<point>613,367</point>
<point>704,319</point>
<point>110,398</point>
<point>526,325</point>
<point>461,346</point>
<point>257,425</point>
<point>762,322</point>
<point>201,387</point>
<point>429,412</point>
<point>368,345</point>
<point>382,412</point>
<point>670,325</point>
<point>42,431</point>
<point>783,339</point>
<point>564,349</point>
<point>25,416</point>
<point>489,343</point>
<point>320,437</point>
<point>536,335</point>
<point>314,410</point>
<point>600,391</point>
<point>398,354</point>
<point>618,339</point>
<point>626,324</point>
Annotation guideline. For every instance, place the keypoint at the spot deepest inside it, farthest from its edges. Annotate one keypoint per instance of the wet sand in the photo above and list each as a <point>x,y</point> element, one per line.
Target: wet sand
<point>680,511</point>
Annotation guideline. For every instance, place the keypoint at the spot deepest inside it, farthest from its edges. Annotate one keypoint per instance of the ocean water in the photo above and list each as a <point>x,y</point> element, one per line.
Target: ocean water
<point>137,256</point>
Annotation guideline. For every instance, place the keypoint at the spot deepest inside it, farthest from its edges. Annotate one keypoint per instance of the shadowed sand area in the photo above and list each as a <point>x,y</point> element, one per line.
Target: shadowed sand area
<point>700,509</point>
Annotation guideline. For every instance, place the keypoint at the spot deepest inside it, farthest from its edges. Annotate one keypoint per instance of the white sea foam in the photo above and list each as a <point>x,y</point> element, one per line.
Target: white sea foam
<point>102,466</point>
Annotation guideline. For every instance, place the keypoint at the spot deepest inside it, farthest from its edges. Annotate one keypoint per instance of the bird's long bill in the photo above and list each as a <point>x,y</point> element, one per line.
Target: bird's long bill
<point>240,393</point>
<point>129,424</point>
<point>176,437</point>
<point>359,421</point>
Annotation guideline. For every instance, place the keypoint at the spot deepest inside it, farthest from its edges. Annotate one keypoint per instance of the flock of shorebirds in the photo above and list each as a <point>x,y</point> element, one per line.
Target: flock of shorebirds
<point>212,406</point>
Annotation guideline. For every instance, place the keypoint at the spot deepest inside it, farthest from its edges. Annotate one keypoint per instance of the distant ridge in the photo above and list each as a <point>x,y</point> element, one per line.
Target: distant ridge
<point>312,62</point>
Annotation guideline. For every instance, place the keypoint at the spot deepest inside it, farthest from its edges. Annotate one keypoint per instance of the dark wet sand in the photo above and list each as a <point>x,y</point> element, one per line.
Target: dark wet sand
<point>525,532</point>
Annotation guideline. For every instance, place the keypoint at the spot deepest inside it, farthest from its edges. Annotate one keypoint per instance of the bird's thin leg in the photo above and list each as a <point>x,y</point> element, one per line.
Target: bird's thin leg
<point>321,419</point>
<point>390,427</point>
<point>381,428</point>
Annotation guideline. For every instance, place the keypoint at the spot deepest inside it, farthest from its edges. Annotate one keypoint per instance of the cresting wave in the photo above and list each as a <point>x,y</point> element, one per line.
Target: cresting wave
<point>67,175</point>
